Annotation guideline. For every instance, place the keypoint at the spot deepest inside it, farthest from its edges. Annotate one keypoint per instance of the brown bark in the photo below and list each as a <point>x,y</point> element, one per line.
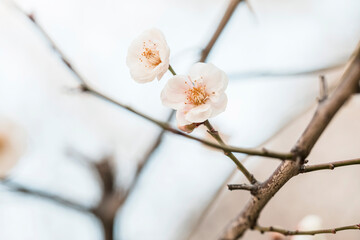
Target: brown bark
<point>322,117</point>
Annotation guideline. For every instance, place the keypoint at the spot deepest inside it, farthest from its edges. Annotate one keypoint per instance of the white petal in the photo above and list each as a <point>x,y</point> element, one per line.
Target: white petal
<point>173,95</point>
<point>199,114</point>
<point>214,78</point>
<point>219,105</point>
<point>162,68</point>
<point>140,70</point>
<point>180,118</point>
<point>141,75</point>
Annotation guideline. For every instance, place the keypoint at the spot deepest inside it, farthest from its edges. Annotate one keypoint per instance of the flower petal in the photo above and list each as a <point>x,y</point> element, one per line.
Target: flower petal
<point>140,69</point>
<point>219,105</point>
<point>214,78</point>
<point>180,118</point>
<point>173,95</point>
<point>199,114</point>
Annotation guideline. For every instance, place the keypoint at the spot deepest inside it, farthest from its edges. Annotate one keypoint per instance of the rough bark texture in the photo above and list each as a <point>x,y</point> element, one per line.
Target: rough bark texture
<point>323,115</point>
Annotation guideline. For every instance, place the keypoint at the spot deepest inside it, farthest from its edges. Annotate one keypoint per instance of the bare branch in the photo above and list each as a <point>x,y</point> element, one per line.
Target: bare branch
<point>323,115</point>
<point>167,127</point>
<point>85,87</point>
<point>229,12</point>
<point>313,232</point>
<point>104,169</point>
<point>16,187</point>
<point>241,167</point>
<point>329,166</point>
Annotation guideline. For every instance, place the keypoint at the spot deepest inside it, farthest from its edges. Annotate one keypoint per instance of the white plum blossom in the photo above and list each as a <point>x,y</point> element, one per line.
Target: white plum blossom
<point>309,223</point>
<point>198,96</point>
<point>148,56</point>
<point>12,145</point>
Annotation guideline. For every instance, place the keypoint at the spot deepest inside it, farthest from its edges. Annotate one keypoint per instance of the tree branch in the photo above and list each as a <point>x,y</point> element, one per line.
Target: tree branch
<point>313,232</point>
<point>85,87</point>
<point>167,127</point>
<point>227,15</point>
<point>288,169</point>
<point>16,187</point>
<point>241,167</point>
<point>328,166</point>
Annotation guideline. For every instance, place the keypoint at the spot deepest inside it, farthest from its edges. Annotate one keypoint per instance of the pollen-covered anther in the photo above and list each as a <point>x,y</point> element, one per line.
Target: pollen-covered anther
<point>197,95</point>
<point>152,56</point>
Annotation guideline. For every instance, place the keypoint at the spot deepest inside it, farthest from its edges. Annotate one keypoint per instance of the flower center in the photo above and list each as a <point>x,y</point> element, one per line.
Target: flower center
<point>151,54</point>
<point>196,94</point>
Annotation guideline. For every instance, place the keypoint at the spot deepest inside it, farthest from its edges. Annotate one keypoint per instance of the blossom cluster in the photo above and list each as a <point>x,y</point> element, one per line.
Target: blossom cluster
<point>196,97</point>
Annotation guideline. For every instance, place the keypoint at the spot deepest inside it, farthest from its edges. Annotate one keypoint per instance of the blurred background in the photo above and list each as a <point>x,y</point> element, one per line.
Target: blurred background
<point>273,54</point>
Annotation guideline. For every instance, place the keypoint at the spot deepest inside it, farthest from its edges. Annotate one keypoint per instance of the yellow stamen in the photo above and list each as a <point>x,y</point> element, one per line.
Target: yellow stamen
<point>197,94</point>
<point>152,55</point>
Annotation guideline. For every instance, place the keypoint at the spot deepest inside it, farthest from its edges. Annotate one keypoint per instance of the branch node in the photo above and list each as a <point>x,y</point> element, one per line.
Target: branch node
<point>265,151</point>
<point>31,16</point>
<point>67,63</point>
<point>84,88</point>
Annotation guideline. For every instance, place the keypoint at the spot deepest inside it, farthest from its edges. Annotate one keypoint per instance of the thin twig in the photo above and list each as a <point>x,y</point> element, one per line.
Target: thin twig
<point>85,87</point>
<point>16,187</point>
<point>288,169</point>
<point>246,187</point>
<point>323,89</point>
<point>215,134</point>
<point>229,12</point>
<point>329,166</point>
<point>167,127</point>
<point>313,232</point>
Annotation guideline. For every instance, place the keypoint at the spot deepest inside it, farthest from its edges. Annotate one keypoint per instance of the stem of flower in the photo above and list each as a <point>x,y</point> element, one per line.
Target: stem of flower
<point>314,232</point>
<point>172,70</point>
<point>215,134</point>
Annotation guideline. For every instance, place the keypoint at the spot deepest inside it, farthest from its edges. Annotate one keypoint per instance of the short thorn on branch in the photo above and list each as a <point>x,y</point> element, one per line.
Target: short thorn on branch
<point>323,89</point>
<point>84,88</point>
<point>247,187</point>
<point>313,232</point>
